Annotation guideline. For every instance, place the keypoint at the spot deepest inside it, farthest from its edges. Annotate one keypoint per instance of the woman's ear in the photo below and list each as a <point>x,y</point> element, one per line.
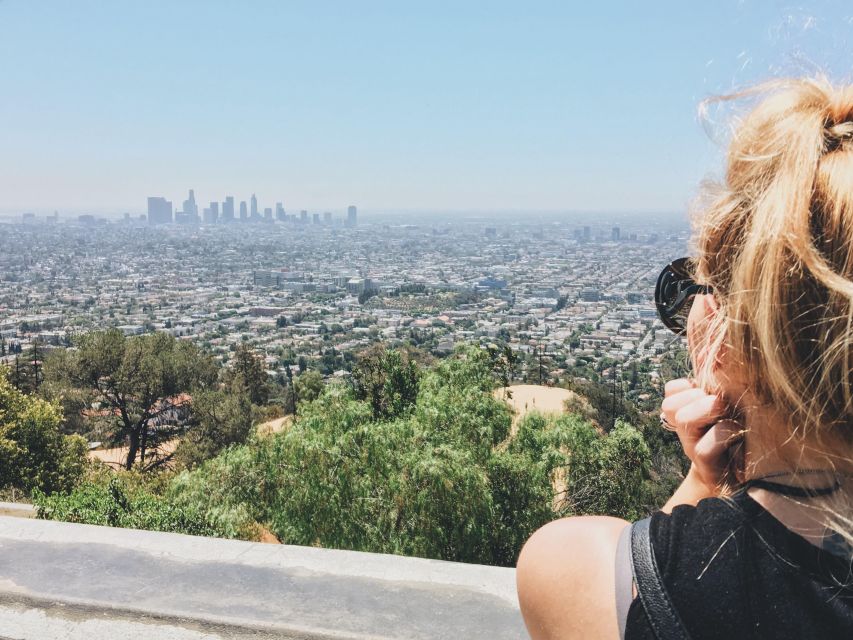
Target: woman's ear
<point>712,309</point>
<point>700,323</point>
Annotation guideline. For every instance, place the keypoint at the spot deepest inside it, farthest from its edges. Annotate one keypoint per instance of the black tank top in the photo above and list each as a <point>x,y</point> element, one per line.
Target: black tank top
<point>733,571</point>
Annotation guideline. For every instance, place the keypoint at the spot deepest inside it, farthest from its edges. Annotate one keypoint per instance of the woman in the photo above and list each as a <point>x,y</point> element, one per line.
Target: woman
<point>756,542</point>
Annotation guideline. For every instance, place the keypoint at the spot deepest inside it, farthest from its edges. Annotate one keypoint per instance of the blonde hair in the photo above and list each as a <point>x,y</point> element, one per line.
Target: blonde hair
<point>775,240</point>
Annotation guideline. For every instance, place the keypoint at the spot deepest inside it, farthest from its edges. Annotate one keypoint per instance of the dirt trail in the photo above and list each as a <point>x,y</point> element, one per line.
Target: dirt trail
<point>548,400</point>
<point>274,426</point>
<point>117,456</point>
<point>533,397</point>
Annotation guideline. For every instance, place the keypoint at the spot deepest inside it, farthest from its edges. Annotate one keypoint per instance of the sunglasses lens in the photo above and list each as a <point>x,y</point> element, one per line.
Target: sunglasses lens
<point>679,319</point>
<point>672,307</point>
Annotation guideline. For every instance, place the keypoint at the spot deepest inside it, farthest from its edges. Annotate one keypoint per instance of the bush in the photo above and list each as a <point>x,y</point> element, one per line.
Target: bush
<point>433,472</point>
<point>34,454</point>
<point>606,473</point>
<point>435,480</point>
<point>115,503</point>
<point>226,489</point>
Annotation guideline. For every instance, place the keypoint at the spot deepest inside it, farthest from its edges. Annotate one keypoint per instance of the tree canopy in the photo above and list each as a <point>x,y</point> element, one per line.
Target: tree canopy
<point>34,454</point>
<point>406,459</point>
<point>142,384</point>
<point>248,371</point>
<point>441,479</point>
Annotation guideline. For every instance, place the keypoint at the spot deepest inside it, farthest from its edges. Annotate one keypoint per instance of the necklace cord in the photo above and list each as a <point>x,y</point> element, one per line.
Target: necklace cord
<point>765,483</point>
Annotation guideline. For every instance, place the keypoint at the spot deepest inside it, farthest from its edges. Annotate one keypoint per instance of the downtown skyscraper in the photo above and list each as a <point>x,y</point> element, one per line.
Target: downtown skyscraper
<point>159,211</point>
<point>190,208</point>
<point>255,215</point>
<point>228,209</point>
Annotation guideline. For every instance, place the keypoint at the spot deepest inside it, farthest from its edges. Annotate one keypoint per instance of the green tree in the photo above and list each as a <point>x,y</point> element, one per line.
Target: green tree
<point>248,367</point>
<point>606,473</point>
<point>26,374</point>
<point>504,363</point>
<point>387,379</point>
<point>140,382</point>
<point>308,386</point>
<point>34,454</point>
<point>219,419</point>
<point>417,483</point>
<point>366,295</point>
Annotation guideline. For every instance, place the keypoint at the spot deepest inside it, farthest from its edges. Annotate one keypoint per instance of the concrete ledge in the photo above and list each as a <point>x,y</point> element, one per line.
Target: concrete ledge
<point>69,581</point>
<point>17,509</point>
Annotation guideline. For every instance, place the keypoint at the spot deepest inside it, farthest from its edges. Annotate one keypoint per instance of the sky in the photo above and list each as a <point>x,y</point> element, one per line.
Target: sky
<point>401,106</point>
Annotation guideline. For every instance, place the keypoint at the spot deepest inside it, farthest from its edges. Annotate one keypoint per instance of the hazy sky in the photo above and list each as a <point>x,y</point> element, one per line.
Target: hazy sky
<point>389,105</point>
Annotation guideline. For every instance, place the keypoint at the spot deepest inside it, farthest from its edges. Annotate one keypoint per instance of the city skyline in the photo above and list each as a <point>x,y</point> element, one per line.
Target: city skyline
<point>160,210</point>
<point>480,107</point>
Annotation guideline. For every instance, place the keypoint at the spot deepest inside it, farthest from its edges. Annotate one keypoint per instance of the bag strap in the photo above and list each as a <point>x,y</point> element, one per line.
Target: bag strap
<point>662,616</point>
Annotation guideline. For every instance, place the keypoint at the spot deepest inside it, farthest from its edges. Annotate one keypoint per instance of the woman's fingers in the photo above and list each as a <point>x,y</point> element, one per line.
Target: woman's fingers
<point>711,453</point>
<point>697,418</point>
<point>675,402</point>
<point>677,386</point>
<point>690,413</point>
<point>700,413</point>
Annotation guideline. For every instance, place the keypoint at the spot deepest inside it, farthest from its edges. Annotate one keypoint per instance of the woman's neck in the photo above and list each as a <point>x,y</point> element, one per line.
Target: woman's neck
<point>771,450</point>
<point>774,447</point>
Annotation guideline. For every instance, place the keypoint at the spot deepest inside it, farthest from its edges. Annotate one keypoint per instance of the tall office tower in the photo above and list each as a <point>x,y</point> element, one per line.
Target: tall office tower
<point>587,234</point>
<point>190,207</point>
<point>207,216</point>
<point>614,234</point>
<point>228,209</point>
<point>214,212</point>
<point>244,211</point>
<point>279,212</point>
<point>303,217</point>
<point>254,201</point>
<point>159,211</point>
<point>268,214</point>
<point>315,218</point>
<point>352,216</point>
<point>327,217</point>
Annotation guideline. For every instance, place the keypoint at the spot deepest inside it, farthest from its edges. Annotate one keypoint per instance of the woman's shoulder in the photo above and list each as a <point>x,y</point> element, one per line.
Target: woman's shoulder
<point>565,577</point>
<point>699,531</point>
<point>722,534</point>
<point>566,571</point>
<point>730,567</point>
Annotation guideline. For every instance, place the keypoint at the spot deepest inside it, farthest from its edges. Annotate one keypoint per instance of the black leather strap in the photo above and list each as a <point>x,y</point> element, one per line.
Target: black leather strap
<point>663,618</point>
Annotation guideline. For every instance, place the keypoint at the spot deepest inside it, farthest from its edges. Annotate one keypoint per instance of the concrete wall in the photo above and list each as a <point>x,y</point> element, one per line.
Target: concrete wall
<point>72,581</point>
<point>17,509</point>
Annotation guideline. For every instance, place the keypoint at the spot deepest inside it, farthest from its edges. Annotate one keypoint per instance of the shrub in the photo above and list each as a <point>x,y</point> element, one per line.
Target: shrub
<point>34,454</point>
<point>115,503</point>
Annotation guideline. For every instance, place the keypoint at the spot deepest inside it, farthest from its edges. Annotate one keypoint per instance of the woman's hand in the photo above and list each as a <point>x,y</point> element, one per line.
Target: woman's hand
<point>706,436</point>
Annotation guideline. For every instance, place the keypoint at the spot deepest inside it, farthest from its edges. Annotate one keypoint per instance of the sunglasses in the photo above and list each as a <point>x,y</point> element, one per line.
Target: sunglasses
<point>674,289</point>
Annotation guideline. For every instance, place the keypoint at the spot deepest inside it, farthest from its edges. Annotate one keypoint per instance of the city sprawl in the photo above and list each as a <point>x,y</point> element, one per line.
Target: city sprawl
<point>565,294</point>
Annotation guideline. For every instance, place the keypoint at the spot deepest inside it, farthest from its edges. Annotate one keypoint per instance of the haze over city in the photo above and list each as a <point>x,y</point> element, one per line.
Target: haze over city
<point>395,107</point>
